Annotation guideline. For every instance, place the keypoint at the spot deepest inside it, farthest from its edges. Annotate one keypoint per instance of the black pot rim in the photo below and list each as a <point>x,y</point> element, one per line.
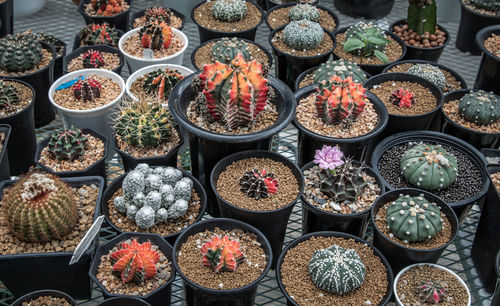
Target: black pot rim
<point>140,13</point>
<point>464,7</point>
<point>124,236</point>
<point>39,149</point>
<point>33,92</point>
<point>284,5</point>
<point>440,27</point>
<point>455,74</point>
<point>497,266</point>
<point>118,180</point>
<point>481,37</point>
<point>127,297</point>
<point>232,33</point>
<point>259,154</point>
<point>382,113</point>
<point>458,126</point>
<point>235,223</point>
<point>49,292</point>
<point>293,243</point>
<point>39,71</point>
<point>426,83</point>
<point>312,57</point>
<point>393,36</point>
<point>457,143</point>
<point>185,123</point>
<point>5,144</point>
<point>82,49</point>
<point>82,11</point>
<point>195,51</point>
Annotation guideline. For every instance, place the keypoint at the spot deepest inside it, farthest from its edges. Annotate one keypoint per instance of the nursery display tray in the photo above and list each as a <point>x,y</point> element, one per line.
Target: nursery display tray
<point>61,19</point>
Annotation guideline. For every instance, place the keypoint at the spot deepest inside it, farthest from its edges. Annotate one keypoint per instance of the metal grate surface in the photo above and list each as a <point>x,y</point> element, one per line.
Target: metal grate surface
<point>61,19</point>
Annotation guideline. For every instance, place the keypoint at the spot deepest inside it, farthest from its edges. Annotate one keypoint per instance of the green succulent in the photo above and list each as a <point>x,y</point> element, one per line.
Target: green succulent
<point>429,72</point>
<point>229,10</point>
<point>226,49</point>
<point>366,39</point>
<point>19,53</point>
<point>304,11</point>
<point>346,183</point>
<point>161,81</point>
<point>67,144</point>
<point>8,94</point>
<point>341,68</point>
<point>422,16</point>
<point>480,107</point>
<point>303,35</point>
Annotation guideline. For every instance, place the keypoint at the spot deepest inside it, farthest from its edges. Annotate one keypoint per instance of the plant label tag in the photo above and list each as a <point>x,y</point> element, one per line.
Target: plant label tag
<point>87,240</point>
<point>148,54</point>
<point>69,83</point>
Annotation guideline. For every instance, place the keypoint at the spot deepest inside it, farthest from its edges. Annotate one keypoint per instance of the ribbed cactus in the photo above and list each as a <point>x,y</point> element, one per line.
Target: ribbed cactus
<point>340,101</point>
<point>20,52</point>
<point>161,81</point>
<point>53,41</point>
<point>303,35</point>
<point>429,167</point>
<point>489,5</point>
<point>67,144</point>
<point>303,11</point>
<point>337,270</point>
<point>93,59</point>
<point>8,94</point>
<point>235,93</point>
<point>429,72</point>
<point>431,291</point>
<point>402,98</point>
<point>221,254</point>
<point>422,16</point>
<point>340,68</point>
<point>97,34</point>
<point>258,184</point>
<point>40,207</point>
<point>159,14</point>
<point>87,89</point>
<point>156,36</point>
<point>480,107</point>
<point>414,218</point>
<point>346,183</point>
<point>366,39</point>
<point>226,49</point>
<point>107,7</point>
<point>229,10</point>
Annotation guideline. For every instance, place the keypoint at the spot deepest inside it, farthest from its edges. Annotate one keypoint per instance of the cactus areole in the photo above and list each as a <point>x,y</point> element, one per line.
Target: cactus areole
<point>221,254</point>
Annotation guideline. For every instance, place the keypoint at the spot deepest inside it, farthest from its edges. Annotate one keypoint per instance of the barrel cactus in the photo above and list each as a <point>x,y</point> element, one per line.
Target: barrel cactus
<point>99,34</point>
<point>303,35</point>
<point>480,107</point>
<point>229,10</point>
<point>345,183</point>
<point>161,81</point>
<point>19,53</point>
<point>422,16</point>
<point>258,184</point>
<point>414,219</point>
<point>366,39</point>
<point>429,167</point>
<point>429,72</point>
<point>340,68</point>
<point>304,11</point>
<point>156,35</point>
<point>8,94</point>
<point>226,49</point>
<point>221,254</point>
<point>489,5</point>
<point>40,207</point>
<point>337,270</point>
<point>67,144</point>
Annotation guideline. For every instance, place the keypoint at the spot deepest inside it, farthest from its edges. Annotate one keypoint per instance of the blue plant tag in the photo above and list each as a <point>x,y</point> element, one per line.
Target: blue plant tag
<point>69,83</point>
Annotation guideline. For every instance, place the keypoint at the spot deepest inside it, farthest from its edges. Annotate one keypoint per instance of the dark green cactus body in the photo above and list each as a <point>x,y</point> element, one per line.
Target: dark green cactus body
<point>366,39</point>
<point>304,11</point>
<point>346,184</point>
<point>429,167</point>
<point>337,270</point>
<point>57,44</point>
<point>97,34</point>
<point>226,50</point>
<point>229,10</point>
<point>160,82</point>
<point>303,35</point>
<point>8,94</point>
<point>414,218</point>
<point>67,144</point>
<point>20,53</point>
<point>480,107</point>
<point>341,68</point>
<point>422,16</point>
<point>489,5</point>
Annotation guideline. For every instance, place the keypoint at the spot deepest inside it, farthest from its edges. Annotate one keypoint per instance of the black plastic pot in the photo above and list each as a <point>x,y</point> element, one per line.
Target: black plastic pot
<point>372,68</point>
<point>98,168</point>
<point>315,219</point>
<point>58,62</point>
<point>496,295</point>
<point>6,17</point>
<point>470,23</point>
<point>475,138</point>
<point>123,301</point>
<point>198,295</point>
<point>284,5</point>
<point>357,147</point>
<point>117,184</point>
<point>291,301</point>
<point>400,256</point>
<point>102,48</point>
<point>428,54</point>
<point>207,148</point>
<point>77,42</point>
<point>4,157</point>
<point>492,153</point>
<point>119,21</point>
<point>22,144</point>
<point>207,34</point>
<point>36,294</point>
<point>271,223</point>
<point>193,54</point>
<point>288,67</point>
<point>489,70</point>
<point>140,13</point>
<point>361,8</point>
<point>461,208</point>
<point>23,273</point>
<point>311,70</point>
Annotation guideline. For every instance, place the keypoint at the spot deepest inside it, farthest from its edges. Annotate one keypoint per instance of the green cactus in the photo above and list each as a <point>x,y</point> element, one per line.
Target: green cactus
<point>67,144</point>
<point>226,49</point>
<point>340,68</point>
<point>303,35</point>
<point>414,219</point>
<point>57,44</point>
<point>422,16</point>
<point>337,270</point>
<point>304,11</point>
<point>480,107</point>
<point>346,183</point>
<point>489,5</point>
<point>161,81</point>
<point>40,207</point>
<point>366,39</point>
<point>429,72</point>
<point>20,53</point>
<point>429,167</point>
<point>97,34</point>
<point>229,10</point>
<point>8,94</point>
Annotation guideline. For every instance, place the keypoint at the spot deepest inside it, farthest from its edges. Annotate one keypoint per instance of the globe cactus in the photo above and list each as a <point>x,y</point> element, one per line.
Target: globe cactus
<point>340,68</point>
<point>161,81</point>
<point>67,144</point>
<point>304,11</point>
<point>159,14</point>
<point>480,107</point>
<point>429,167</point>
<point>93,59</point>
<point>221,254</point>
<point>40,207</point>
<point>431,291</point>
<point>337,270</point>
<point>19,53</point>
<point>489,5</point>
<point>156,36</point>
<point>258,184</point>
<point>229,10</point>
<point>345,183</point>
<point>87,89</point>
<point>99,34</point>
<point>414,218</point>
<point>53,41</point>
<point>226,49</point>
<point>366,39</point>
<point>8,95</point>
<point>402,98</point>
<point>303,35</point>
<point>429,72</point>
<point>422,16</point>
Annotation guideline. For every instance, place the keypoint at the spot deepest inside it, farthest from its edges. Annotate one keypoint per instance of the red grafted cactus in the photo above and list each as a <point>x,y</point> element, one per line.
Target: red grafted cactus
<point>87,89</point>
<point>402,98</point>
<point>134,261</point>
<point>431,292</point>
<point>221,254</point>
<point>234,93</point>
<point>258,184</point>
<point>156,36</point>
<point>107,7</point>
<point>158,13</point>
<point>93,59</point>
<point>340,100</point>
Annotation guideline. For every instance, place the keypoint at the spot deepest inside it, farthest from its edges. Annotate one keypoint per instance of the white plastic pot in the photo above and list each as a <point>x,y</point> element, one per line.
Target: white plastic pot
<point>135,63</point>
<point>28,7</point>
<point>131,79</point>
<point>395,287</point>
<point>98,119</point>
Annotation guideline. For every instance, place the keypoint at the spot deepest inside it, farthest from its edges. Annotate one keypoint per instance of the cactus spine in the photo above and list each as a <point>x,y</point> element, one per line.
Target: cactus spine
<point>8,94</point>
<point>480,107</point>
<point>20,53</point>
<point>88,89</point>
<point>159,14</point>
<point>67,144</point>
<point>429,72</point>
<point>422,16</point>
<point>258,184</point>
<point>229,10</point>
<point>93,59</point>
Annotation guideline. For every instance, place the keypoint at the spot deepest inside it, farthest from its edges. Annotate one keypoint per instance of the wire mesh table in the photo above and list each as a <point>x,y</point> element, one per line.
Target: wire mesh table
<point>60,18</point>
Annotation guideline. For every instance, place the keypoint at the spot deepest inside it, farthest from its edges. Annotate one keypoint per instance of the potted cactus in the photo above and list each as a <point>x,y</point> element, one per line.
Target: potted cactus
<point>97,57</point>
<point>489,70</point>
<point>114,12</point>
<point>359,8</point>
<point>4,158</point>
<point>45,297</point>
<point>172,17</point>
<point>59,47</point>
<point>97,34</point>
<point>6,17</point>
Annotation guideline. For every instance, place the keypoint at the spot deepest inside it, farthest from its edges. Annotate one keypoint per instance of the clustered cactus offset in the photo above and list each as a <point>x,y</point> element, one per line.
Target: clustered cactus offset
<point>366,39</point>
<point>431,291</point>
<point>303,35</point>
<point>161,81</point>
<point>8,94</point>
<point>107,7</point>
<point>340,68</point>
<point>227,48</point>
<point>402,98</point>
<point>19,53</point>
<point>67,144</point>
<point>40,207</point>
<point>221,254</point>
<point>303,11</point>
<point>258,184</point>
<point>429,167</point>
<point>99,34</point>
<point>154,195</point>
<point>156,36</point>
<point>489,5</point>
<point>87,89</point>
<point>93,59</point>
<point>159,14</point>
<point>422,16</point>
<point>229,10</point>
<point>429,72</point>
<point>414,219</point>
<point>337,270</point>
<point>480,107</point>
